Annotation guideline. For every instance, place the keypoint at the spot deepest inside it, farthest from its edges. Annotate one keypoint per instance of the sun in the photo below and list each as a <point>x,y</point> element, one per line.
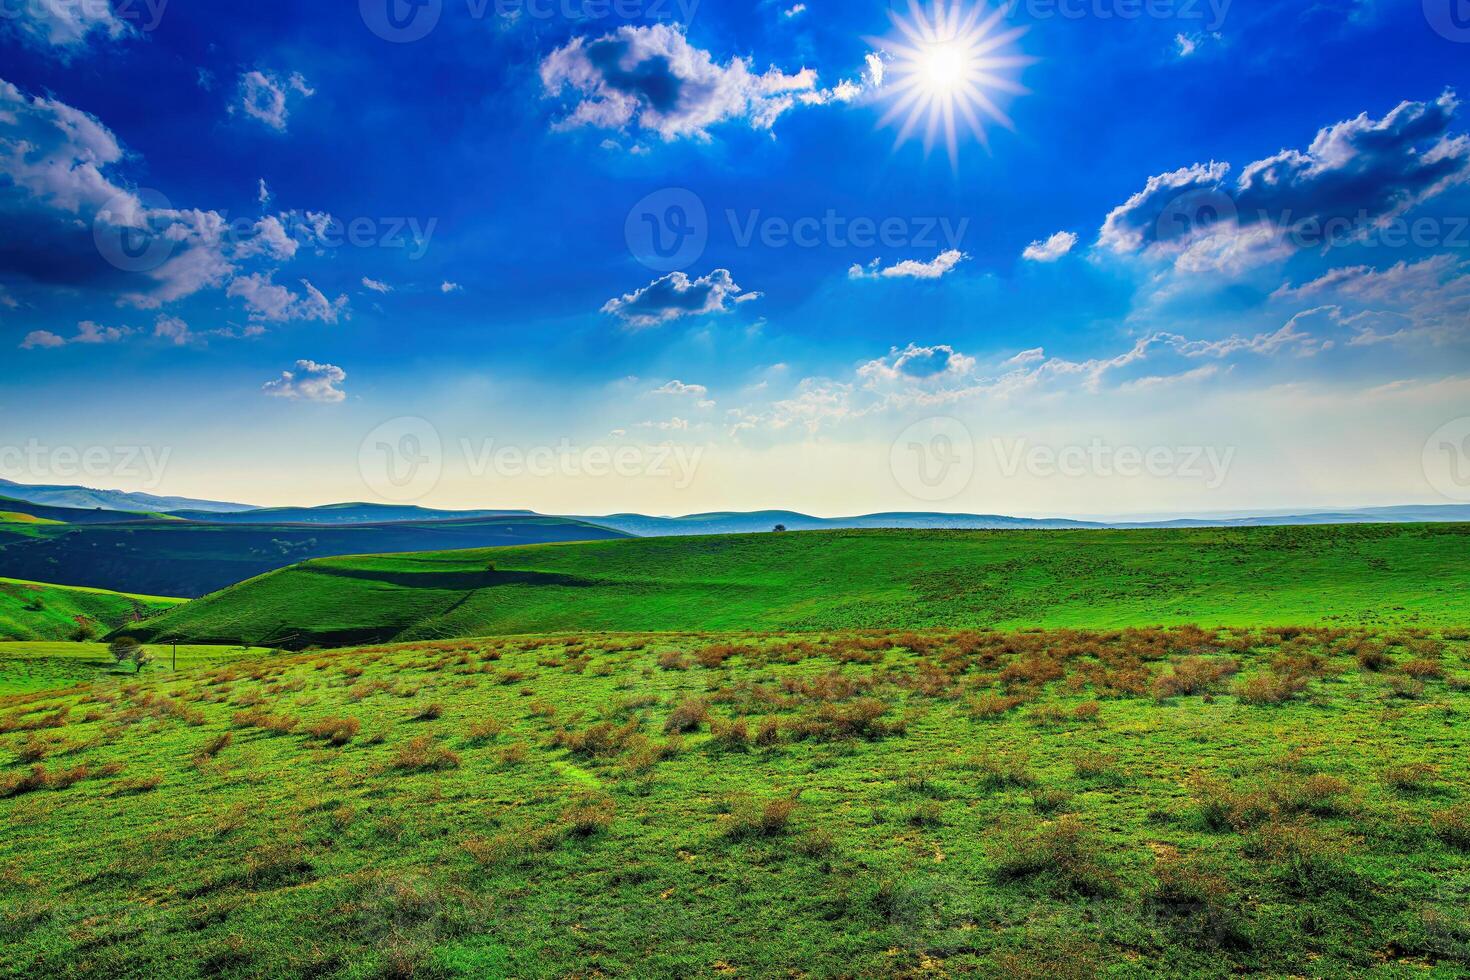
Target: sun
<point>950,64</point>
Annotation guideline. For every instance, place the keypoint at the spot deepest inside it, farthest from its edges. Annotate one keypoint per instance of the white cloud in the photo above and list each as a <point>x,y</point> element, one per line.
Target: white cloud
<point>1185,45</point>
<point>940,266</point>
<point>699,393</point>
<point>266,97</point>
<point>1052,249</point>
<point>675,296</point>
<point>791,13</point>
<point>174,330</point>
<point>652,78</point>
<point>309,381</point>
<point>56,154</point>
<point>40,339</point>
<point>265,300</point>
<point>916,364</point>
<point>65,25</point>
<point>450,287</point>
<point>376,286</point>
<point>88,332</point>
<point>263,194</point>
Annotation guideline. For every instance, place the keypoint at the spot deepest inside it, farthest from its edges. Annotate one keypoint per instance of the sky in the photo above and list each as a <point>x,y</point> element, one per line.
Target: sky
<point>1065,257</point>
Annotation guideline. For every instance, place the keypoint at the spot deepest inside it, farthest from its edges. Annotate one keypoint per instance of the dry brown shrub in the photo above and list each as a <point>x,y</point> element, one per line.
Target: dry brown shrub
<point>422,754</point>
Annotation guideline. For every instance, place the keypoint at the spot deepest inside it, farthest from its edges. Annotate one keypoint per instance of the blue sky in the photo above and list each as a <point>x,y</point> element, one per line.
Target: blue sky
<point>344,238</point>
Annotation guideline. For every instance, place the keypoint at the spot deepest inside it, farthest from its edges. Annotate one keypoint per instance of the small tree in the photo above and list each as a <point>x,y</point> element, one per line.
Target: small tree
<point>142,658</point>
<point>780,529</point>
<point>125,649</point>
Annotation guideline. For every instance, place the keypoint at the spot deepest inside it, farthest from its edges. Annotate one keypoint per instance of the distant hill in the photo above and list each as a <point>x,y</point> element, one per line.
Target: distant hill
<point>45,514</point>
<point>190,558</point>
<point>85,498</point>
<point>757,522</point>
<point>856,579</point>
<point>35,611</point>
<point>356,513</point>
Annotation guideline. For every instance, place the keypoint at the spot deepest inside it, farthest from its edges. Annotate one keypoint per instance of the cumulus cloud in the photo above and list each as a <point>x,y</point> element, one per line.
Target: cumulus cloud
<point>88,332</point>
<point>309,381</point>
<point>1052,249</point>
<point>940,266</point>
<point>1355,176</point>
<point>264,300</point>
<point>675,296</point>
<point>1424,300</point>
<point>173,330</point>
<point>266,96</point>
<point>915,363</point>
<point>699,393</point>
<point>652,78</point>
<point>56,155</point>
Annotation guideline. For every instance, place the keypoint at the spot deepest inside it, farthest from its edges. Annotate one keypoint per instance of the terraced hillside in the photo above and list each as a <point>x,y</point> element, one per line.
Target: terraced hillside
<point>1380,574</point>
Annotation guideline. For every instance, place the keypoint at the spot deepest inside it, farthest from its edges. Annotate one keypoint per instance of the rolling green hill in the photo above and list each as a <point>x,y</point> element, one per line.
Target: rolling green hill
<point>33,611</point>
<point>168,556</point>
<point>857,579</point>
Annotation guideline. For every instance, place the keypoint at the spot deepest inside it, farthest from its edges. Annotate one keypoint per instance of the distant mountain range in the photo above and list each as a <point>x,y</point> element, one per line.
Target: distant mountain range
<point>85,498</point>
<point>729,522</point>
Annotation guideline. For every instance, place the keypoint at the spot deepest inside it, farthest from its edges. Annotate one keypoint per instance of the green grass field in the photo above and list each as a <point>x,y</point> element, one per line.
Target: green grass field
<point>1049,804</point>
<point>42,666</point>
<point>1365,574</point>
<point>34,611</point>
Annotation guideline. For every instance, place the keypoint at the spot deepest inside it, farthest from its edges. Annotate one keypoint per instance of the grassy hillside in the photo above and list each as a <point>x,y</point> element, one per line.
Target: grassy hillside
<point>1035,805</point>
<point>45,666</point>
<point>191,558</point>
<point>33,611</point>
<point>858,579</point>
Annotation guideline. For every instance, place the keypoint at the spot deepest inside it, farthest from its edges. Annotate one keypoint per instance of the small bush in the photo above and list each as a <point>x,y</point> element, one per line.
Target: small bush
<point>257,718</point>
<point>134,787</point>
<point>1453,826</point>
<point>1373,657</point>
<point>768,732</point>
<point>1422,668</point>
<point>1266,689</point>
<point>999,772</point>
<point>687,716</point>
<point>1302,856</point>
<point>33,749</point>
<point>672,660</point>
<point>337,731</point>
<point>731,736</point>
<point>484,731</point>
<point>1063,850</point>
<point>427,712</point>
<point>1194,675</point>
<point>1050,801</point>
<point>590,815</point>
<point>1199,897</point>
<point>993,705</point>
<point>748,817</point>
<point>1415,777</point>
<point>422,754</point>
<point>216,745</point>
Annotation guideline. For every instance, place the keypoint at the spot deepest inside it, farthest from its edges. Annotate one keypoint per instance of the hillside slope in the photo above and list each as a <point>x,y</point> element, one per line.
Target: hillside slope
<point>188,558</point>
<point>33,611</point>
<point>856,579</point>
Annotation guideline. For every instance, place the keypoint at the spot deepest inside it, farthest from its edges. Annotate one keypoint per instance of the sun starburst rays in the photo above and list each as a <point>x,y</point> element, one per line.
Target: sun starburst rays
<point>946,63</point>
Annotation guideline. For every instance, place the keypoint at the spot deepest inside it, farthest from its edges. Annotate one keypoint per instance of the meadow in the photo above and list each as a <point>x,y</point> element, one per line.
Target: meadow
<point>1382,575</point>
<point>1054,803</point>
<point>42,666</point>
